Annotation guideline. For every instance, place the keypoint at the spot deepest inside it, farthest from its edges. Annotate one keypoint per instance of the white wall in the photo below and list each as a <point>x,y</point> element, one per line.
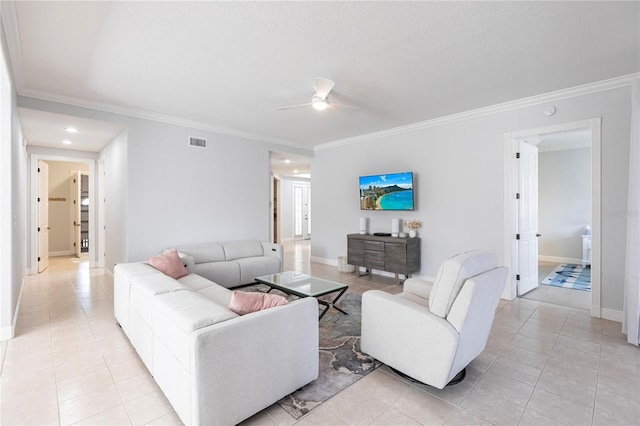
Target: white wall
<point>459,171</point>
<point>564,201</point>
<point>114,156</point>
<point>286,209</point>
<point>161,192</point>
<point>61,214</point>
<point>13,202</point>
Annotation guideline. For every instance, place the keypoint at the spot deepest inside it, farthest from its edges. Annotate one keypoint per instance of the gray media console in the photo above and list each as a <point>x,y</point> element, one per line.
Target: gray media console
<point>397,255</point>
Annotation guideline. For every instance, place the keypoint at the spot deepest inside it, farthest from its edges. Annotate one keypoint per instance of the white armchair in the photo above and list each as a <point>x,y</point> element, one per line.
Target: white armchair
<point>432,331</point>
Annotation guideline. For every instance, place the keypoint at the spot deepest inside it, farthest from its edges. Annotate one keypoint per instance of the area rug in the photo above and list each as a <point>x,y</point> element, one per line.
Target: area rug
<point>570,276</point>
<point>341,361</point>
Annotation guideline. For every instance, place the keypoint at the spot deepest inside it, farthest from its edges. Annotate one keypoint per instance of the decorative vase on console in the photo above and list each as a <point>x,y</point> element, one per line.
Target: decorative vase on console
<point>412,225</point>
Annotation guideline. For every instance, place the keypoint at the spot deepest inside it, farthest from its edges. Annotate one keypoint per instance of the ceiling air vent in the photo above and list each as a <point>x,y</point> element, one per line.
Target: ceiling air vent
<point>198,142</point>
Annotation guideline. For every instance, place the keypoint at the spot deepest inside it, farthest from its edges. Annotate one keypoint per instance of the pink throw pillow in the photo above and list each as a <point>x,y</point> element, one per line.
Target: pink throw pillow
<point>243,302</point>
<point>170,264</point>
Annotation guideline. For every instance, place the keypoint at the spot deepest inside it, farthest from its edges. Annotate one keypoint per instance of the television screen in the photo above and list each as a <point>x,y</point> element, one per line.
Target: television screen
<point>393,191</point>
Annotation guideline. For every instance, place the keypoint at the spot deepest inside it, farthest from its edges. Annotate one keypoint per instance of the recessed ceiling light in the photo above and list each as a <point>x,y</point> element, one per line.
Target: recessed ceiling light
<point>71,130</point>
<point>295,171</point>
<point>66,142</point>
<point>286,160</point>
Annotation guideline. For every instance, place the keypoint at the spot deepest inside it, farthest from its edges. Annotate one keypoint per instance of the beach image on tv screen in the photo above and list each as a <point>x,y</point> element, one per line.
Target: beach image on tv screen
<point>387,192</point>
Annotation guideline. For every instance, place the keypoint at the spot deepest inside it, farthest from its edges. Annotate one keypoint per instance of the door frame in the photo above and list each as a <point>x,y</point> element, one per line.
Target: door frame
<point>510,204</point>
<point>96,221</point>
<point>275,222</point>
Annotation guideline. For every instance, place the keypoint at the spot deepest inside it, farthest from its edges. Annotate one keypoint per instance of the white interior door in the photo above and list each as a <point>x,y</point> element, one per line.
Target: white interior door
<point>43,215</point>
<point>527,234</point>
<point>77,215</point>
<point>301,211</point>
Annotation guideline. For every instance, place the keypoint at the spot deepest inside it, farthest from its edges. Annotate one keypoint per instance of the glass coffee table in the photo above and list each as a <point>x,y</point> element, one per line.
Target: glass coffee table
<point>302,285</point>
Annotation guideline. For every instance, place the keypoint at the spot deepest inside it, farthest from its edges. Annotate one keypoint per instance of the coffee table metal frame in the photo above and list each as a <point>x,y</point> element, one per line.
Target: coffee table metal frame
<point>290,288</point>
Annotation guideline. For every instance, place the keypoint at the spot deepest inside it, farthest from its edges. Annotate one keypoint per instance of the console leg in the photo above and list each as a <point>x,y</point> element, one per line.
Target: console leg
<point>366,271</point>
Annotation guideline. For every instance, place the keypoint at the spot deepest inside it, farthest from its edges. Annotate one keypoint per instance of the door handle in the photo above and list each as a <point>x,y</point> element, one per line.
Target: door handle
<point>538,235</point>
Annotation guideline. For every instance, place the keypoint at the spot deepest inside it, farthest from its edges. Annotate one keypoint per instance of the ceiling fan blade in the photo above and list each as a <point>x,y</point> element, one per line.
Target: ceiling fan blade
<point>341,105</point>
<point>291,106</point>
<point>323,86</point>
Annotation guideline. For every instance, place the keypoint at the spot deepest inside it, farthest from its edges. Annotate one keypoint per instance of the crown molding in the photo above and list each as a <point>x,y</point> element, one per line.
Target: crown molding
<point>12,36</point>
<point>585,89</point>
<point>153,116</point>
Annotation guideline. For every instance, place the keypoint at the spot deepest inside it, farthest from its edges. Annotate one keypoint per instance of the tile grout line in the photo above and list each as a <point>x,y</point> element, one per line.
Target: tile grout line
<point>542,371</point>
<point>595,394</point>
<point>106,364</point>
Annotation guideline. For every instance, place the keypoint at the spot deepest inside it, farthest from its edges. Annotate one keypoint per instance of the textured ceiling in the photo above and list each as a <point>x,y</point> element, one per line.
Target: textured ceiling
<point>42,128</point>
<point>229,64</point>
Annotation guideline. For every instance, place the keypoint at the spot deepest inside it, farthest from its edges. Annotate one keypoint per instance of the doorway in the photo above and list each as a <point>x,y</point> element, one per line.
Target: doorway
<point>290,183</point>
<point>564,211</point>
<point>571,242</point>
<point>70,223</point>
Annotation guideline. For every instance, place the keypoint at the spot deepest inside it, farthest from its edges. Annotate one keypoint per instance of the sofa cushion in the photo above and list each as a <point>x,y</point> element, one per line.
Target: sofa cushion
<point>195,282</point>
<point>122,274</point>
<point>152,285</point>
<point>240,249</point>
<point>217,293</point>
<point>252,267</point>
<point>452,275</point>
<point>127,270</point>
<point>189,311</point>
<point>202,253</point>
<point>243,302</point>
<point>169,263</point>
<point>226,274</point>
<point>145,287</point>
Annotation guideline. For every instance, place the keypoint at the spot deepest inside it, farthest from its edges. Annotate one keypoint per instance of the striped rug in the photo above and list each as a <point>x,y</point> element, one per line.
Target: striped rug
<point>570,276</point>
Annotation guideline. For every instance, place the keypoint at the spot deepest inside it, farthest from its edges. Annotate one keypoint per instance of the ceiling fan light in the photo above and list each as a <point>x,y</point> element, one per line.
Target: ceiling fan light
<point>319,104</point>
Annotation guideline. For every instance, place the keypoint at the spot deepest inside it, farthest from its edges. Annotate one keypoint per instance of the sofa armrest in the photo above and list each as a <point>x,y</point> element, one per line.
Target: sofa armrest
<point>273,249</point>
<point>246,364</point>
<point>390,323</point>
<point>418,287</point>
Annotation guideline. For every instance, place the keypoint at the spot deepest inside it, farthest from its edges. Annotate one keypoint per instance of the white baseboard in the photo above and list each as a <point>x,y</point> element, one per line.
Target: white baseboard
<point>8,333</point>
<point>61,253</point>
<point>330,262</point>
<point>334,262</point>
<point>611,315</point>
<point>557,259</point>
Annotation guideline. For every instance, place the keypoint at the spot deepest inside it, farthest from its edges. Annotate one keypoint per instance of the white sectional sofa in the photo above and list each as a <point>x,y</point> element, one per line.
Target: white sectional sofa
<point>215,367</point>
<point>232,263</point>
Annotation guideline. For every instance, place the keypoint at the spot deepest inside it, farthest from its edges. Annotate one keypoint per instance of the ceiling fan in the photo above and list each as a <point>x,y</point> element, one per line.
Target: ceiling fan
<point>319,101</point>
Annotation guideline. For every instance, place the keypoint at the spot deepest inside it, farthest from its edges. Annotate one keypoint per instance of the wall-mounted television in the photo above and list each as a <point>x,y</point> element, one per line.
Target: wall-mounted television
<point>391,191</point>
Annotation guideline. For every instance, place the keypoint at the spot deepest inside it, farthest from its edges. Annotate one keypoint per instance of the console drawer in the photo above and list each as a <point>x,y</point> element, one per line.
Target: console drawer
<point>374,245</point>
<point>374,259</point>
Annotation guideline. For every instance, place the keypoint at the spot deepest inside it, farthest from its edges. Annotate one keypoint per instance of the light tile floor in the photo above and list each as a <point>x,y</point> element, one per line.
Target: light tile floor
<point>544,364</point>
<point>558,295</point>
